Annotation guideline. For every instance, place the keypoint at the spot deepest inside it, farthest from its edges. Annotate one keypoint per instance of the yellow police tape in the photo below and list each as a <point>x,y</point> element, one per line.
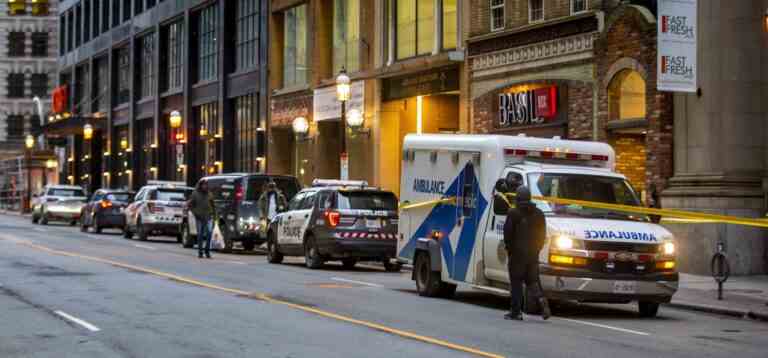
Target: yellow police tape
<point>667,215</point>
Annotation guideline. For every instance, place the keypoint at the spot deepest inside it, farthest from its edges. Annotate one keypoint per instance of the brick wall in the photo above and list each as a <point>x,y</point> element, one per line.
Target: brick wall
<point>580,109</point>
<point>629,42</point>
<point>516,13</point>
<point>631,158</point>
<point>286,108</point>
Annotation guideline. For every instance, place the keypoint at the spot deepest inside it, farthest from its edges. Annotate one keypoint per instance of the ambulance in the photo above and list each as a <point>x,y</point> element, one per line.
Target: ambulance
<point>453,213</point>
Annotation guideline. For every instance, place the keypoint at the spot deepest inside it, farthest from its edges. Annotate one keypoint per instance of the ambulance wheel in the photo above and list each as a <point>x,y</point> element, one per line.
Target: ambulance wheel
<point>392,266</point>
<point>312,254</point>
<point>428,282</point>
<point>648,309</point>
<point>273,252</point>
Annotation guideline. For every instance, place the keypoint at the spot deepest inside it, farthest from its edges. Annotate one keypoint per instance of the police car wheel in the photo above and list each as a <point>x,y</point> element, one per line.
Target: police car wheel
<point>273,252</point>
<point>140,231</point>
<point>186,238</point>
<point>96,227</point>
<point>648,309</point>
<point>312,256</point>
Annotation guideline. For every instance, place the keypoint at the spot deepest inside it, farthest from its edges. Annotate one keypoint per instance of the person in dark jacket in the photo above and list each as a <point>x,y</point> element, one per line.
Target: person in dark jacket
<point>524,236</point>
<point>201,205</point>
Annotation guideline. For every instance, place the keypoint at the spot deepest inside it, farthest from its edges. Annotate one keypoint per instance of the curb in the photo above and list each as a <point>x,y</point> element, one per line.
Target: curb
<point>719,310</point>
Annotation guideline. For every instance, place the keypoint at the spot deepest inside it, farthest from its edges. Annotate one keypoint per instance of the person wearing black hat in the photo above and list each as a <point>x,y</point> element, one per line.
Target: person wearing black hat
<point>524,236</point>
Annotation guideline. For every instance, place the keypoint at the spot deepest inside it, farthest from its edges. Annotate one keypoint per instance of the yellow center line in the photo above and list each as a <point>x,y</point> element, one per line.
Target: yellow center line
<point>263,297</point>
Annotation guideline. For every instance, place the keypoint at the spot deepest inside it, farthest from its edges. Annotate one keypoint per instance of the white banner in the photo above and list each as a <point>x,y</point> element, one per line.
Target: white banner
<point>325,105</point>
<point>677,34</point>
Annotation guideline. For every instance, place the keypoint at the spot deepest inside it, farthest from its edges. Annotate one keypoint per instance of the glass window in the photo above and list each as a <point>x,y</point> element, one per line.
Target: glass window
<point>62,35</point>
<point>208,48</point>
<point>450,24</point>
<point>535,10</point>
<point>119,197</point>
<point>101,84</point>
<point>366,200</point>
<point>17,7</point>
<point>209,124</point>
<point>248,126</point>
<point>16,47</point>
<point>123,76</point>
<point>86,14</point>
<point>147,68</point>
<point>39,84</point>
<point>15,85</point>
<point>296,201</point>
<point>95,24</point>
<point>78,25</point>
<point>138,6</point>
<point>247,50</point>
<point>66,192</point>
<point>584,187</point>
<point>308,201</point>
<point>415,27</point>
<point>346,35</point>
<point>171,194</point>
<point>578,6</point>
<point>40,44</point>
<point>289,187</point>
<point>626,96</point>
<point>295,56</point>
<point>174,55</point>
<point>116,12</point>
<point>497,15</point>
<point>14,126</point>
<point>40,8</point>
<point>126,10</point>
<point>105,25</point>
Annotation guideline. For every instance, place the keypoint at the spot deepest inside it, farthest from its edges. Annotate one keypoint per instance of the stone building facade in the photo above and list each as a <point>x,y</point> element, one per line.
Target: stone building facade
<point>28,48</point>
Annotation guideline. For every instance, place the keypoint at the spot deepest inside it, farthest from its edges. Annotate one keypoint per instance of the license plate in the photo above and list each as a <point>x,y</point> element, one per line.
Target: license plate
<point>624,287</point>
<point>373,223</point>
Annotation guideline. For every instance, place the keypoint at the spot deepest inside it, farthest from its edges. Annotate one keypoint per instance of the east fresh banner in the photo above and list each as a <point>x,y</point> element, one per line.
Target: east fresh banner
<point>677,35</point>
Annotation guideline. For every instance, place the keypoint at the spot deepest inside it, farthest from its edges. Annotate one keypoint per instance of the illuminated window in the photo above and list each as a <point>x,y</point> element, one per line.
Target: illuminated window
<point>17,7</point>
<point>450,24</point>
<point>497,15</point>
<point>578,6</point>
<point>146,67</point>
<point>40,7</point>
<point>535,10</point>
<point>415,27</point>
<point>346,35</point>
<point>295,55</point>
<point>627,96</point>
<point>174,61</point>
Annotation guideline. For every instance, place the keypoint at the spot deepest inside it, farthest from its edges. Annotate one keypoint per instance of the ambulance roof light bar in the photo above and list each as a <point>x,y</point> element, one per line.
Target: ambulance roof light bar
<point>555,154</point>
<point>335,182</point>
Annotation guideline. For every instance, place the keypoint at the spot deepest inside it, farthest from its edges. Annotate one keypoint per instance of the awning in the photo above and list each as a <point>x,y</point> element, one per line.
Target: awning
<point>72,125</point>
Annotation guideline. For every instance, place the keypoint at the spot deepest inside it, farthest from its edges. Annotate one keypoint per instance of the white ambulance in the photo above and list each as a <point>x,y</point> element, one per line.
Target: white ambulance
<point>591,255</point>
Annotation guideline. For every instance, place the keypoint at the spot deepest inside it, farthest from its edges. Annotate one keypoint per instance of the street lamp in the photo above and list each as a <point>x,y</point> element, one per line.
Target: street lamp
<point>300,126</point>
<point>29,142</point>
<point>175,119</point>
<point>343,95</point>
<point>87,132</point>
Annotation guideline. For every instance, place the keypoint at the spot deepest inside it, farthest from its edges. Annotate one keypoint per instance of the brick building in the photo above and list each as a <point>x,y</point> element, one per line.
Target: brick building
<point>593,62</point>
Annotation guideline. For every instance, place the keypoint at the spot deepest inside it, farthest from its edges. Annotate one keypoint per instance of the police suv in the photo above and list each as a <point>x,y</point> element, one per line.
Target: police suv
<point>591,255</point>
<point>337,220</point>
<point>156,209</point>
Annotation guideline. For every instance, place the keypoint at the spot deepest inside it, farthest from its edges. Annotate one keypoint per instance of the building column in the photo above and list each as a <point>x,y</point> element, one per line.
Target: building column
<point>721,156</point>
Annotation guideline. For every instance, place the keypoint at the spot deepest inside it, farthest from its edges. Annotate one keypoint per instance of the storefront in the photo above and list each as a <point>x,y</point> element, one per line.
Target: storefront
<point>421,103</point>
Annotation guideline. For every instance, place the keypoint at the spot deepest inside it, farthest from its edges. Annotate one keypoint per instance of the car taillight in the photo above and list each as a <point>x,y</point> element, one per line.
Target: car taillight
<point>154,208</point>
<point>332,218</point>
<point>106,204</point>
<point>239,193</point>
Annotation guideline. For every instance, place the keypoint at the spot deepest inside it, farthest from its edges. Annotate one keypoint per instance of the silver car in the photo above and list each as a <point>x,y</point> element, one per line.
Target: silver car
<point>58,203</point>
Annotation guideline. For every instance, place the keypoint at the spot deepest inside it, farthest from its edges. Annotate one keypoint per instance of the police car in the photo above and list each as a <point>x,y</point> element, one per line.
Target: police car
<point>591,254</point>
<point>337,220</point>
<point>156,209</point>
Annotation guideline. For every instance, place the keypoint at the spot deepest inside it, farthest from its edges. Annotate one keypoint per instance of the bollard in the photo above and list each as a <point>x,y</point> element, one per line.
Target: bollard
<point>720,268</point>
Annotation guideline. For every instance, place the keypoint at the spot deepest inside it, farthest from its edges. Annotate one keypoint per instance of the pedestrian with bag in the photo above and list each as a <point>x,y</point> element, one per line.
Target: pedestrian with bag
<point>271,202</point>
<point>524,236</point>
<point>201,205</point>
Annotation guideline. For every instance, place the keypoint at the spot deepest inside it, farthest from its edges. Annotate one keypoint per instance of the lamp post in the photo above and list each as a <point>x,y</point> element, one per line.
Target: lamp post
<point>343,95</point>
<point>29,143</point>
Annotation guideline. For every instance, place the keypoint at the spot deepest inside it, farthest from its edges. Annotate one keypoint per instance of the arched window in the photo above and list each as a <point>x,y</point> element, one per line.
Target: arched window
<point>627,96</point>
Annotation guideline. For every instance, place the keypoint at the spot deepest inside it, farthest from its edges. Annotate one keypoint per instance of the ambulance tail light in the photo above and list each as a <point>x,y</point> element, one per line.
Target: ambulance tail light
<point>332,218</point>
<point>105,204</point>
<point>665,265</point>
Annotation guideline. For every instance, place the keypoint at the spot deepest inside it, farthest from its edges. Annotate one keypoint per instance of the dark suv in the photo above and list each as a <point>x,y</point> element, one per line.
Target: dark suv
<point>236,197</point>
<point>337,220</point>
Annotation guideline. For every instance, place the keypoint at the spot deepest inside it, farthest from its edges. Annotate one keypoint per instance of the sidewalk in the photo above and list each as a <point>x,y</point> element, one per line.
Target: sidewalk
<point>743,296</point>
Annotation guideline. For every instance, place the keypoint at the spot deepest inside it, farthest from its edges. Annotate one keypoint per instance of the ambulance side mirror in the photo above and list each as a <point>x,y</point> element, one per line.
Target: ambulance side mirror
<point>500,206</point>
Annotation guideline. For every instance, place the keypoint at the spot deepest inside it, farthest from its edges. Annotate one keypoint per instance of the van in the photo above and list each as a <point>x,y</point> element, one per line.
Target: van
<point>453,214</point>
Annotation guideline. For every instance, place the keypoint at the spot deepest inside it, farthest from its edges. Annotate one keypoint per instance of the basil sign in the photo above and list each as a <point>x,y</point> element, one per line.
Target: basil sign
<point>529,107</point>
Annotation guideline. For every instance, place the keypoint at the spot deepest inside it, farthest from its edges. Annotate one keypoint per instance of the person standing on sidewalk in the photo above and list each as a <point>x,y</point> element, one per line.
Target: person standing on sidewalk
<point>524,236</point>
<point>201,205</point>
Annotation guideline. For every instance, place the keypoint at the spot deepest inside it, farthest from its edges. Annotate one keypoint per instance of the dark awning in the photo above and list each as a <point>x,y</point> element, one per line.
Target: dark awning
<point>72,125</point>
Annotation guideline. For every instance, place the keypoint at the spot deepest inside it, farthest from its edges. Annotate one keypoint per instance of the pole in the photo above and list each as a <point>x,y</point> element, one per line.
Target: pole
<point>343,158</point>
<point>28,201</point>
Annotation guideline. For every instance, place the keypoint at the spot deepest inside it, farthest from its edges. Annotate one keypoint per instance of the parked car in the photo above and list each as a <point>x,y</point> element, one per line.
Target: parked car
<point>236,198</point>
<point>58,203</point>
<point>337,220</point>
<point>156,210</point>
<point>105,209</point>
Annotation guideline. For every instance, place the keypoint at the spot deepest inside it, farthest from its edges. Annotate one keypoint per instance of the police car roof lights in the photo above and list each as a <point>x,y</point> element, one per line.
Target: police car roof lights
<point>335,182</point>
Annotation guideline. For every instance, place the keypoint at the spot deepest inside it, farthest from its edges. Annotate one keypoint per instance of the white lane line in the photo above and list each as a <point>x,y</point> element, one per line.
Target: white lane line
<point>78,321</point>
<point>39,229</point>
<point>356,282</point>
<point>604,326</point>
<point>144,247</point>
<point>232,262</point>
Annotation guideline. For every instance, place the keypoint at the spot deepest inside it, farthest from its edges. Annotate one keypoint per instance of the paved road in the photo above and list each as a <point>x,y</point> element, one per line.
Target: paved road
<point>68,294</point>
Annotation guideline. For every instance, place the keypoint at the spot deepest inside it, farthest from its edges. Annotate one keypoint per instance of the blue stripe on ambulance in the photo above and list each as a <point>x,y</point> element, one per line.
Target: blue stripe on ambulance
<point>443,217</point>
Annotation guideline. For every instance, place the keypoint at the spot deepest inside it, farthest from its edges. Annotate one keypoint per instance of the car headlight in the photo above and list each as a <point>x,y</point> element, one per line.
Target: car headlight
<point>564,242</point>
<point>669,248</point>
